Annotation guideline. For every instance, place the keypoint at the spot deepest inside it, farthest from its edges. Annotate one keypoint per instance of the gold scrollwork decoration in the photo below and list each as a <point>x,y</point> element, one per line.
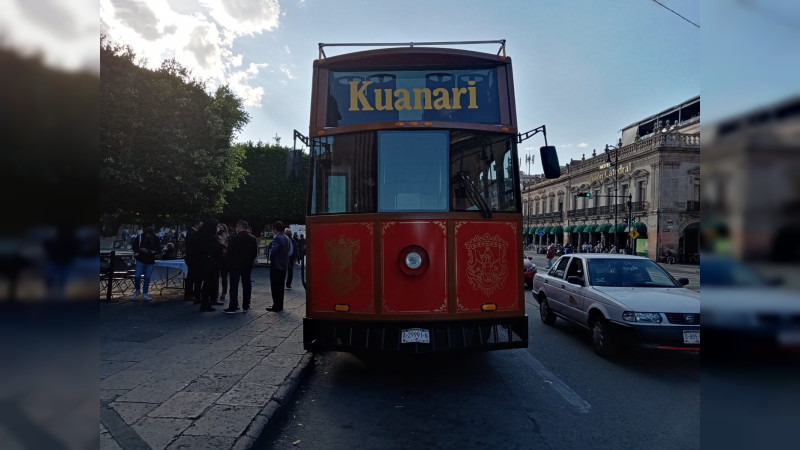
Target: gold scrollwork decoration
<point>386,226</point>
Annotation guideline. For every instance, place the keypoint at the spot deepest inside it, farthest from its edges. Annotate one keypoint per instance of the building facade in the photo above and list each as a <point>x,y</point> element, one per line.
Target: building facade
<point>645,193</point>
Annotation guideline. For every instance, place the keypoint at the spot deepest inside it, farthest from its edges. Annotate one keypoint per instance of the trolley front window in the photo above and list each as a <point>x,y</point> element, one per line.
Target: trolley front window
<point>387,171</point>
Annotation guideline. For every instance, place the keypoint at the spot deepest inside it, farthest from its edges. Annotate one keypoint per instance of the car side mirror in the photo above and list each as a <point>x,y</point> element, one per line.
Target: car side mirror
<point>683,280</point>
<point>572,279</point>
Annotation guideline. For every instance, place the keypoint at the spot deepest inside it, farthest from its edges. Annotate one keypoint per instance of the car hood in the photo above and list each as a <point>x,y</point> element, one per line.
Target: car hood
<point>643,299</point>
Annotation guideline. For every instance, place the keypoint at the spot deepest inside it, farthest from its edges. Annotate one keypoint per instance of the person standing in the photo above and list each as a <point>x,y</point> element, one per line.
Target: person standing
<point>145,248</point>
<point>242,251</point>
<point>551,253</point>
<point>290,266</point>
<point>193,282</point>
<point>223,236</point>
<point>279,260</point>
<point>209,252</point>
<point>301,247</point>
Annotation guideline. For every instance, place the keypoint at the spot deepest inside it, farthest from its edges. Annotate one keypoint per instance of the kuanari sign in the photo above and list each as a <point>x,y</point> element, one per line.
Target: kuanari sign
<point>440,95</point>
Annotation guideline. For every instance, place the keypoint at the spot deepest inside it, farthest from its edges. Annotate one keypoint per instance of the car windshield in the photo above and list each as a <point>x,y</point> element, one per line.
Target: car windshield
<point>628,273</point>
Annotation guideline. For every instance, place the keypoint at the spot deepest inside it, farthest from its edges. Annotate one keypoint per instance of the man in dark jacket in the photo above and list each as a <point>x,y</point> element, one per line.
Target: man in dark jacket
<point>209,256</point>
<point>278,262</point>
<point>242,251</point>
<point>145,247</point>
<point>193,282</point>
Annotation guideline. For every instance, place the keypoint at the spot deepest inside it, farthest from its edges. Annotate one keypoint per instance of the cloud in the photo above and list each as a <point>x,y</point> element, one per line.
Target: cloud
<point>199,34</point>
<point>245,16</point>
<point>239,83</point>
<point>138,16</point>
<point>583,145</point>
<point>63,33</point>
<point>566,145</point>
<point>288,72</point>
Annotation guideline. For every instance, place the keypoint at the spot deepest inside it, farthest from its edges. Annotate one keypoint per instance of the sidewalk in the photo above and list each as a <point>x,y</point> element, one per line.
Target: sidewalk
<point>173,377</point>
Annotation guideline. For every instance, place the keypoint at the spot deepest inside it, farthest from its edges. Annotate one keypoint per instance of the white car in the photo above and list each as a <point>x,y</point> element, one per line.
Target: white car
<point>622,299</point>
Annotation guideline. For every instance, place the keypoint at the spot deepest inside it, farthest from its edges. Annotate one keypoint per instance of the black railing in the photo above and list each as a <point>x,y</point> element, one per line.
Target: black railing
<point>693,206</point>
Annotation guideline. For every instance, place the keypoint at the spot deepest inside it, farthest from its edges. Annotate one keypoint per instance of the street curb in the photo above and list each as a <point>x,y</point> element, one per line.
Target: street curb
<point>257,426</point>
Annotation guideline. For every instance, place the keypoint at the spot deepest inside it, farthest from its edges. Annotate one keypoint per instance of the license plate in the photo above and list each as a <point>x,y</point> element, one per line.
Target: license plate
<point>691,337</point>
<point>415,335</point>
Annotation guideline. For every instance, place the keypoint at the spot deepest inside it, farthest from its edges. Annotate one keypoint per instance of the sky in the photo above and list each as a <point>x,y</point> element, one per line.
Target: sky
<point>583,68</point>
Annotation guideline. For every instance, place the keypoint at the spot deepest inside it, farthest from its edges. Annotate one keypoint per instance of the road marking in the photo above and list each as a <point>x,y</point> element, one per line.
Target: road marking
<point>553,381</point>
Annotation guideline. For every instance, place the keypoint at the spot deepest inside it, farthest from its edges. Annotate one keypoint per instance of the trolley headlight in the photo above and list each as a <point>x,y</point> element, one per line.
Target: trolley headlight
<point>413,260</point>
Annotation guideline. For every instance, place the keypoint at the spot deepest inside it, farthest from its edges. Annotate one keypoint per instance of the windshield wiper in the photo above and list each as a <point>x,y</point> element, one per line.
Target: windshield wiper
<point>474,195</point>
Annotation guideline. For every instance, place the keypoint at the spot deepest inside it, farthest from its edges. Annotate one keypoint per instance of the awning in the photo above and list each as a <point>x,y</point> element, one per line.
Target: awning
<point>587,228</point>
<point>569,228</point>
<point>526,230</point>
<point>640,227</point>
<point>558,229</point>
<point>622,227</point>
<point>546,230</point>
<point>602,228</point>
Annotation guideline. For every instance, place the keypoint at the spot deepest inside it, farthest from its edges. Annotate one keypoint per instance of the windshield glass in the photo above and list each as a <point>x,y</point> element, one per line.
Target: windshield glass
<point>628,273</point>
<point>414,170</point>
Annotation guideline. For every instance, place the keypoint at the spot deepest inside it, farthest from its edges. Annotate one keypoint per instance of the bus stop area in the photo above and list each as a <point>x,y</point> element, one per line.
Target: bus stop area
<point>173,377</point>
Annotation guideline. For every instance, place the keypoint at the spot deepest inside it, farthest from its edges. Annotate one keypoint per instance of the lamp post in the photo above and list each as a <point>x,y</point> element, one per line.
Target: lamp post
<point>616,179</point>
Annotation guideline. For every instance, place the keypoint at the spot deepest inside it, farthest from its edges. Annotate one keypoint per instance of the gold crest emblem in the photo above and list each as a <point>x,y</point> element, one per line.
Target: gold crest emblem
<point>342,252</point>
<point>487,269</point>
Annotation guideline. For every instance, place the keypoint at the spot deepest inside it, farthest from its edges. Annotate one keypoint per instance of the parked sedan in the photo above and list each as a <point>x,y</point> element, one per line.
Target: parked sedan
<point>622,299</point>
<point>528,271</point>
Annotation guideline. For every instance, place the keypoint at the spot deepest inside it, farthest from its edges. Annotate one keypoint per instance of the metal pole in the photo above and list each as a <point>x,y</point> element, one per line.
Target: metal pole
<point>616,175</point>
<point>630,221</point>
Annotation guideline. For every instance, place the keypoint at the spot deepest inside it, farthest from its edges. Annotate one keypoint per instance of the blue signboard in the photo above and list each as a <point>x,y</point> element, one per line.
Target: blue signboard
<point>438,95</point>
<point>540,233</point>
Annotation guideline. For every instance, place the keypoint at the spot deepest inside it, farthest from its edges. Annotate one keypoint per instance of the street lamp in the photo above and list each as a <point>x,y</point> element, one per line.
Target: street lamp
<point>616,179</point>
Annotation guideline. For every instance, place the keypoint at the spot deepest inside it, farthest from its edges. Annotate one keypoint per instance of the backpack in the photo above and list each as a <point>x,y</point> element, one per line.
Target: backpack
<point>551,252</point>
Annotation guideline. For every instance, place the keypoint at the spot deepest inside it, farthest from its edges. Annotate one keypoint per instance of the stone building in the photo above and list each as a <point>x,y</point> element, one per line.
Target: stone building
<point>656,185</point>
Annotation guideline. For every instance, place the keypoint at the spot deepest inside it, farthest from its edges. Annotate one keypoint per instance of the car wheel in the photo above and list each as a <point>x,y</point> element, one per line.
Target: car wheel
<point>545,313</point>
<point>603,340</point>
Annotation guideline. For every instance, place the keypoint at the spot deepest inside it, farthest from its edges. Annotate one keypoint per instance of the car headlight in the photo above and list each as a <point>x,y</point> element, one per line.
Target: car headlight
<point>645,317</point>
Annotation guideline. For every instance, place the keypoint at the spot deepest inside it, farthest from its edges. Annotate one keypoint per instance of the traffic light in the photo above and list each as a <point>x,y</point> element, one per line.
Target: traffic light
<point>583,194</point>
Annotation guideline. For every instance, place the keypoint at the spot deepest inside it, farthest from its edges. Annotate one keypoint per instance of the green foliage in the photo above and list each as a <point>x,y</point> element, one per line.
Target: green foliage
<point>165,143</point>
<point>265,195</point>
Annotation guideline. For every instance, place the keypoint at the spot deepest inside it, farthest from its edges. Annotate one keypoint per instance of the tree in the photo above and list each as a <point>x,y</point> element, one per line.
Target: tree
<point>165,142</point>
<point>265,195</point>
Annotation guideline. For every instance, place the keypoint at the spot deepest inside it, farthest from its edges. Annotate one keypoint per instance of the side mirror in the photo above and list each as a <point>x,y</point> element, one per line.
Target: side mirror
<point>572,279</point>
<point>550,162</point>
<point>683,280</point>
<point>294,161</point>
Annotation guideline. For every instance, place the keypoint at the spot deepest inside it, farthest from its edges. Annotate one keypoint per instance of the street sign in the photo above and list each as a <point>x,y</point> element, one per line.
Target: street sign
<point>633,233</point>
<point>540,233</point>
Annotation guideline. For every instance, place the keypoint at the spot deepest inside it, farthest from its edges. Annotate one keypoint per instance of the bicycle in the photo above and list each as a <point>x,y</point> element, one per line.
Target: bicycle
<point>667,259</point>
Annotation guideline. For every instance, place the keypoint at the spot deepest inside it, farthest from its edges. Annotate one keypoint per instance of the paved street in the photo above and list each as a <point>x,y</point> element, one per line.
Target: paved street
<point>172,377</point>
<point>554,394</point>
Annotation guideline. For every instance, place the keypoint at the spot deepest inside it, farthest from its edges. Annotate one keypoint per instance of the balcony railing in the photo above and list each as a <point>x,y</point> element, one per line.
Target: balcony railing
<point>596,211</point>
<point>693,206</point>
